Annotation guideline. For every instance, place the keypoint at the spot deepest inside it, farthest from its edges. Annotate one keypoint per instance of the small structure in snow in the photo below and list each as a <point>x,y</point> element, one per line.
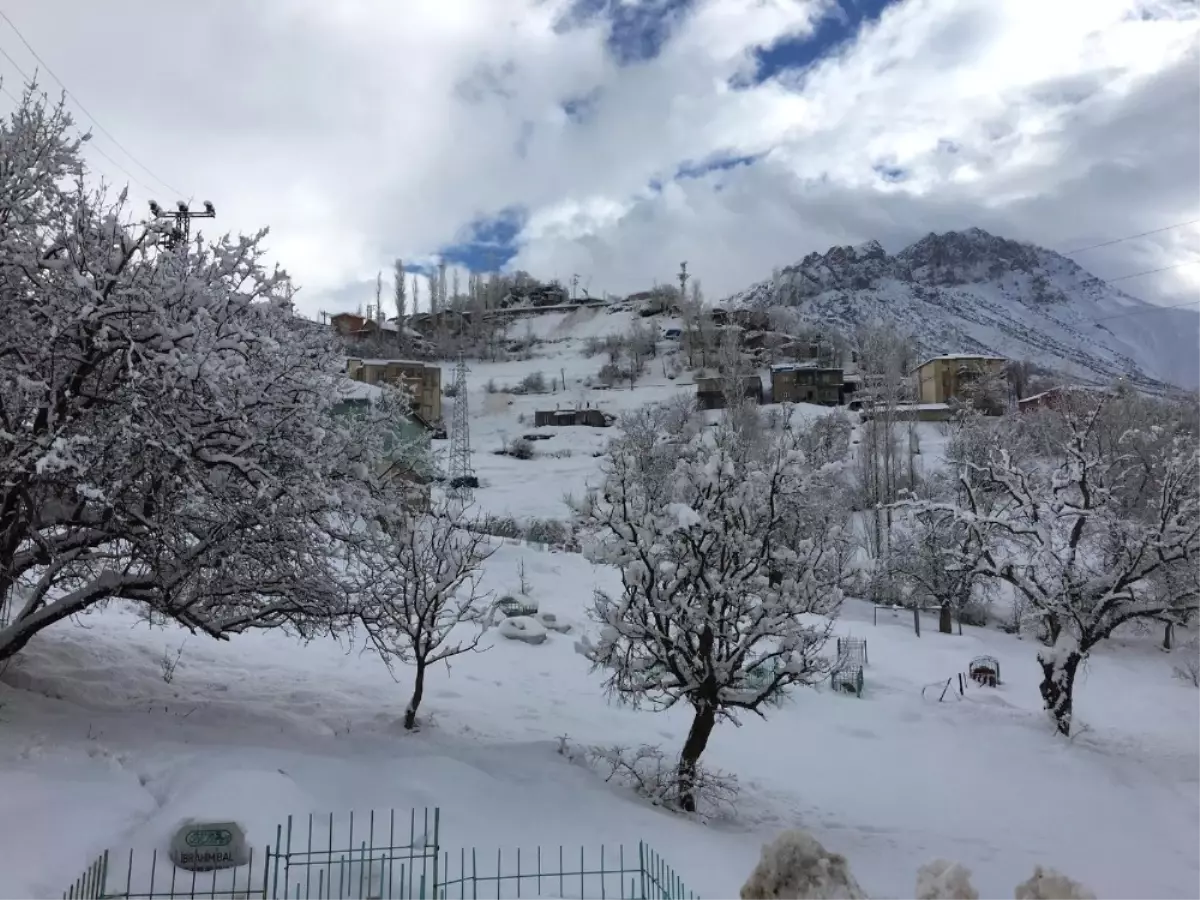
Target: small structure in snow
<point>985,671</point>
<point>523,628</point>
<point>511,607</point>
<point>1047,884</point>
<point>592,417</point>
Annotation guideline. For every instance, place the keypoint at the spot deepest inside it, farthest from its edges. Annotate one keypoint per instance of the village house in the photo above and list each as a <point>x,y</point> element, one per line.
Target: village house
<point>423,380</point>
<point>1057,397</point>
<point>354,327</point>
<point>407,455</point>
<point>944,378</point>
<point>710,390</point>
<point>594,418</point>
<point>797,383</point>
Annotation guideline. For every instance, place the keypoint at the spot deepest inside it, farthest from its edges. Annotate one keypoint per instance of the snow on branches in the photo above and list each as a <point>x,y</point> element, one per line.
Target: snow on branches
<point>731,563</point>
<point>165,419</point>
<point>1088,532</point>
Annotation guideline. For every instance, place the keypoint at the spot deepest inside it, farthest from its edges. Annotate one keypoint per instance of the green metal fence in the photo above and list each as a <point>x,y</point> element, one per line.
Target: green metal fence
<point>613,872</point>
<point>371,856</point>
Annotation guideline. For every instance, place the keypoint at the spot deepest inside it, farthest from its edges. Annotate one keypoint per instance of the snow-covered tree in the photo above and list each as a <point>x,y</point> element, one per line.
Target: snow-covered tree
<point>885,357</point>
<point>414,587</point>
<point>715,601</point>
<point>934,553</point>
<point>400,288</point>
<point>1085,535</point>
<point>166,433</point>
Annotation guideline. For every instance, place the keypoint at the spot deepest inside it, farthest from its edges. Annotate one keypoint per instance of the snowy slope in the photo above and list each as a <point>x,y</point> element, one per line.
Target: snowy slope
<point>97,751</point>
<point>971,291</point>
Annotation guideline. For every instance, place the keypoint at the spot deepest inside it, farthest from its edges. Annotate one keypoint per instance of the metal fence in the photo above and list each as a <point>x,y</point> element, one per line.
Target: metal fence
<point>613,872</point>
<point>326,857</point>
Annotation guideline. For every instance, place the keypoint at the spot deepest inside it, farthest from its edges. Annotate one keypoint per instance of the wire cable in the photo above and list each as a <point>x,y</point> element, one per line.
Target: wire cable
<point>85,110</point>
<point>1131,237</point>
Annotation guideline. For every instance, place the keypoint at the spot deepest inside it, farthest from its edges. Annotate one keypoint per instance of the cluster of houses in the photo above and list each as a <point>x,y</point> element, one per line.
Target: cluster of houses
<point>934,384</point>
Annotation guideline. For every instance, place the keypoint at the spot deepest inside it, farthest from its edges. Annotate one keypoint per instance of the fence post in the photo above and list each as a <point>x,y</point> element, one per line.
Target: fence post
<point>917,620</point>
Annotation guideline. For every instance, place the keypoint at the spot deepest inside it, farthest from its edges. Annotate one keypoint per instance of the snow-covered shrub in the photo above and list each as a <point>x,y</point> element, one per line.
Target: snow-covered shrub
<point>1047,884</point>
<point>944,880</point>
<point>651,774</point>
<point>1189,667</point>
<point>499,526</point>
<point>549,531</point>
<point>534,383</point>
<point>520,448</point>
<point>796,867</point>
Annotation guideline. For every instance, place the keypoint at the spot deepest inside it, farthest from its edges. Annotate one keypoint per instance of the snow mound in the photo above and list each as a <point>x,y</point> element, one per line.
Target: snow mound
<point>795,865</point>
<point>257,799</point>
<point>1047,884</point>
<point>945,880</point>
<point>523,628</point>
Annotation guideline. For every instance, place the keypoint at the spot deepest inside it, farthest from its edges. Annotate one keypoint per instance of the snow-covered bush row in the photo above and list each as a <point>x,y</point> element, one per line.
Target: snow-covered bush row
<point>796,867</point>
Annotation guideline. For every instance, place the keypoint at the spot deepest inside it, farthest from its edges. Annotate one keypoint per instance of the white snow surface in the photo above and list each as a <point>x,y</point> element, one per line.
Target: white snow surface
<point>98,751</point>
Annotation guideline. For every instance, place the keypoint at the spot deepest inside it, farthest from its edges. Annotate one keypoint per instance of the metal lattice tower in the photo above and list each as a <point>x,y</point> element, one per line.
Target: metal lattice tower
<point>462,473</point>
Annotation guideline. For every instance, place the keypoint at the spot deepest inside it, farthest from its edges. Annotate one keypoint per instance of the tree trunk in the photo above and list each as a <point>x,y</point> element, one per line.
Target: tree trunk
<point>946,619</point>
<point>414,703</point>
<point>697,740</point>
<point>1058,684</point>
<point>1168,634</point>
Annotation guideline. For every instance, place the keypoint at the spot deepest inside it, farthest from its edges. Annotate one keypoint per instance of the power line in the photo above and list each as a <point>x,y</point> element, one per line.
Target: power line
<point>1153,271</point>
<point>1139,312</point>
<point>1130,238</point>
<point>84,109</point>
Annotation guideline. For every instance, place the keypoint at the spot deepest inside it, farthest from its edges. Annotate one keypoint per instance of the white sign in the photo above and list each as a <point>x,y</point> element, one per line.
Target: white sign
<point>203,846</point>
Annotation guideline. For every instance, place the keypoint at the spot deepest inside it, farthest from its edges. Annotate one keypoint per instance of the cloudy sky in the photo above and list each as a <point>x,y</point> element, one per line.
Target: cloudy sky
<point>614,138</point>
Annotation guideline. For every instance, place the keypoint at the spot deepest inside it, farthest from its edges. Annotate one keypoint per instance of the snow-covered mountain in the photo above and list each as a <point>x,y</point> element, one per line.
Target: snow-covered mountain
<point>972,291</point>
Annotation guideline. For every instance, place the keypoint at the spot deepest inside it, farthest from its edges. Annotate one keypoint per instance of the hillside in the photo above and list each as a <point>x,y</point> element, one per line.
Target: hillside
<point>114,731</point>
<point>973,291</point>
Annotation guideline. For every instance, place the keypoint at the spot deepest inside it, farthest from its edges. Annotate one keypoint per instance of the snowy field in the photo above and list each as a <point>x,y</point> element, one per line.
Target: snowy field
<point>98,751</point>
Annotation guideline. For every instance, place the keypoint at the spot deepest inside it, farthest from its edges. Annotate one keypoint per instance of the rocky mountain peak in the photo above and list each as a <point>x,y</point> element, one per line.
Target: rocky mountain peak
<point>974,291</point>
<point>965,257</point>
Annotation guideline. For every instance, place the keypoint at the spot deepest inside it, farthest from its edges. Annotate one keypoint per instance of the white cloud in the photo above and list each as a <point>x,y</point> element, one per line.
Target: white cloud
<point>364,130</point>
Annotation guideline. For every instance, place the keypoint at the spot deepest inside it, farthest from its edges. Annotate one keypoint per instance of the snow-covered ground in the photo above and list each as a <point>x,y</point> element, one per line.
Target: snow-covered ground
<point>98,751</point>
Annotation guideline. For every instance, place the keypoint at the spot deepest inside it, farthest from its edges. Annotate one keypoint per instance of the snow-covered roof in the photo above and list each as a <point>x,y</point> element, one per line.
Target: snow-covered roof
<point>1063,389</point>
<point>349,389</point>
<point>961,356</point>
<point>390,362</point>
<point>807,364</point>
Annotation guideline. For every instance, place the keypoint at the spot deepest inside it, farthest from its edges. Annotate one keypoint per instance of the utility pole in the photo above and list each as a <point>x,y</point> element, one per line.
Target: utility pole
<point>574,285</point>
<point>181,234</point>
<point>462,472</point>
<point>683,277</point>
